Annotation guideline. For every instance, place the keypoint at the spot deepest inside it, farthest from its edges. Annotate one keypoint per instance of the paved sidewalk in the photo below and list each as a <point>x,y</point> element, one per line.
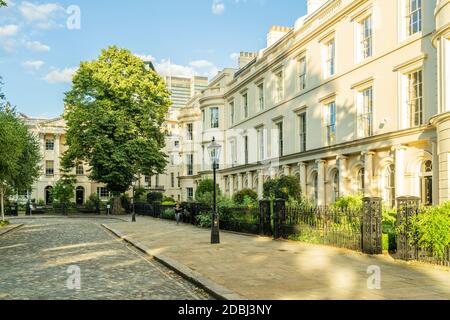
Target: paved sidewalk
<point>259,268</point>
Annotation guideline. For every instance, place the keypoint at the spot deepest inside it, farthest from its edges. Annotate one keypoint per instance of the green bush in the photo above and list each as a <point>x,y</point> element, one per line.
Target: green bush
<point>4,223</point>
<point>239,197</point>
<point>204,220</point>
<point>285,188</point>
<point>140,194</point>
<point>206,187</point>
<point>168,200</point>
<point>430,229</point>
<point>168,214</point>
<point>154,197</point>
<point>41,203</point>
<point>93,202</point>
<point>351,202</point>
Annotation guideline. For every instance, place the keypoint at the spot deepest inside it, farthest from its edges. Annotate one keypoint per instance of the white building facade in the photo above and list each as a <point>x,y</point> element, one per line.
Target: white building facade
<point>353,99</point>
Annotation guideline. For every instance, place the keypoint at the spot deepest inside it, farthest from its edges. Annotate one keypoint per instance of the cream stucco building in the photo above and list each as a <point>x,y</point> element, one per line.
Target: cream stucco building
<point>354,98</point>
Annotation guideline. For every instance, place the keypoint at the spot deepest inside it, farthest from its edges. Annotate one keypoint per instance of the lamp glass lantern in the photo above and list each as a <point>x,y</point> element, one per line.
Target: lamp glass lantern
<point>214,150</point>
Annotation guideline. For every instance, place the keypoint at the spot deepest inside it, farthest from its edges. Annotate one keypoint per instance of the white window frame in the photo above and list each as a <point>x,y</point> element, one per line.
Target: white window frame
<point>232,112</point>
<point>212,118</point>
<point>329,139</point>
<point>411,12</point>
<point>329,58</point>
<point>245,104</point>
<point>365,113</point>
<point>303,133</point>
<point>261,96</point>
<point>261,143</point>
<point>302,64</point>
<point>279,85</point>
<point>364,37</point>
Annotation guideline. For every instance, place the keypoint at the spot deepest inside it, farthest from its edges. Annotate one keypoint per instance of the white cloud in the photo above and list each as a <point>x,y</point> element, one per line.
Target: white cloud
<point>218,7</point>
<point>9,30</point>
<point>36,46</point>
<point>60,76</point>
<point>33,65</point>
<point>8,44</point>
<point>194,68</point>
<point>38,12</point>
<point>145,58</point>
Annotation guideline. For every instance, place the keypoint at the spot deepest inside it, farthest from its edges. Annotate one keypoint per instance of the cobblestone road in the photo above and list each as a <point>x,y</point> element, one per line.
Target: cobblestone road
<point>35,260</point>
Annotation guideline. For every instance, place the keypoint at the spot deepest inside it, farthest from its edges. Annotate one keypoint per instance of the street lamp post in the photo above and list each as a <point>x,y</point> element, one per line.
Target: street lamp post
<point>214,152</point>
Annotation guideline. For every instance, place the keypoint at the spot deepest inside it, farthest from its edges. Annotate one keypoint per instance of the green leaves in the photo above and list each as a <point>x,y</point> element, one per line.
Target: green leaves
<point>19,153</point>
<point>114,113</point>
<point>3,3</point>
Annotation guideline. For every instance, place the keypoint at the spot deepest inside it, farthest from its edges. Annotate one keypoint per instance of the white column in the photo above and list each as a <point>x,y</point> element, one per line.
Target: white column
<point>343,174</point>
<point>400,170</point>
<point>231,185</point>
<point>250,180</point>
<point>287,170</point>
<point>435,173</point>
<point>368,173</point>
<point>260,184</point>
<point>321,182</point>
<point>302,167</point>
<point>240,182</point>
<point>57,150</point>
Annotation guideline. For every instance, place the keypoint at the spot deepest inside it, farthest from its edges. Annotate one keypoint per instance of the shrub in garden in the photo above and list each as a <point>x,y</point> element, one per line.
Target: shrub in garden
<point>239,197</point>
<point>285,188</point>
<point>154,197</point>
<point>430,229</point>
<point>206,187</point>
<point>168,214</point>
<point>140,194</point>
<point>4,223</point>
<point>204,220</point>
<point>351,202</point>
<point>93,202</point>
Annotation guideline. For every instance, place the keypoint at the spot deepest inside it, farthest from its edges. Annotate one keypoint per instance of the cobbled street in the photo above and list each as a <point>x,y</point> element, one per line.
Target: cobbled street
<point>35,261</point>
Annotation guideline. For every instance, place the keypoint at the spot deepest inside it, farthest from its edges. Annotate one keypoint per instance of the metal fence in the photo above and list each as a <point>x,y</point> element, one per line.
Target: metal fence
<point>245,220</point>
<point>323,225</point>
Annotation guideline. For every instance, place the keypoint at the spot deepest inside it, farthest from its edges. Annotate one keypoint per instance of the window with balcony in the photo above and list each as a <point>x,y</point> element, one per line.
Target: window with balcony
<point>245,104</point>
<point>214,118</point>
<point>302,130</point>
<point>190,132</point>
<point>261,146</point>
<point>302,67</point>
<point>365,38</point>
<point>261,96</point>
<point>330,58</point>
<point>280,139</point>
<point>330,123</point>
<point>49,168</point>
<point>232,113</point>
<point>279,86</point>
<point>415,98</point>
<point>190,164</point>
<point>365,113</point>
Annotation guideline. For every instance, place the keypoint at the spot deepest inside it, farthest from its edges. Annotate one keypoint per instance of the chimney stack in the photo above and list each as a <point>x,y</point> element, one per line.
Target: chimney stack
<point>245,58</point>
<point>275,34</point>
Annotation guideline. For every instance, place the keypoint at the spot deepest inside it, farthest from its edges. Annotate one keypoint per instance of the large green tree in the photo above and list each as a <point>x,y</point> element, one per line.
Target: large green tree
<point>3,3</point>
<point>19,153</point>
<point>114,114</point>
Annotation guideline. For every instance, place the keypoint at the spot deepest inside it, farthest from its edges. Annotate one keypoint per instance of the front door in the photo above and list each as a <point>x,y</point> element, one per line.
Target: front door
<point>80,196</point>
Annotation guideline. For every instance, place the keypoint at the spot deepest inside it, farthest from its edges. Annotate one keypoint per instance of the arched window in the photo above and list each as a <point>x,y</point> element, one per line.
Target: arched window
<point>427,183</point>
<point>335,185</point>
<point>360,179</point>
<point>389,185</point>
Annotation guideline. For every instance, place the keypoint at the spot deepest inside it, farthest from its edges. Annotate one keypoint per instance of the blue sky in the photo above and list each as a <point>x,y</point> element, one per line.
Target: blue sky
<point>38,53</point>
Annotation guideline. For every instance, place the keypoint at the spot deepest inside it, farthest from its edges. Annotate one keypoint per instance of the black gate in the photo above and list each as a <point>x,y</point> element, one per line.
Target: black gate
<point>407,208</point>
<point>371,226</point>
<point>265,218</point>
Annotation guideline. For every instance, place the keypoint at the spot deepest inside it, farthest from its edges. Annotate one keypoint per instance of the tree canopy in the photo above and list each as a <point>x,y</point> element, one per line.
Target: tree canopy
<point>19,153</point>
<point>114,114</point>
<point>3,3</point>
<point>286,187</point>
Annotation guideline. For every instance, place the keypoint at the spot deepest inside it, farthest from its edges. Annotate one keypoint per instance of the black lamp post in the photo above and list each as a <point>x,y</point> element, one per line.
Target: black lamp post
<point>214,152</point>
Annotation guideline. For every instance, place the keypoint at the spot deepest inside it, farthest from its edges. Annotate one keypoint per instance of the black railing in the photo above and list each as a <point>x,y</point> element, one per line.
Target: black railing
<point>323,225</point>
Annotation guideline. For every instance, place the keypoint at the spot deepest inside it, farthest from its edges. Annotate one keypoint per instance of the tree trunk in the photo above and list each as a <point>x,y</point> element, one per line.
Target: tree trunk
<point>117,206</point>
<point>2,205</point>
